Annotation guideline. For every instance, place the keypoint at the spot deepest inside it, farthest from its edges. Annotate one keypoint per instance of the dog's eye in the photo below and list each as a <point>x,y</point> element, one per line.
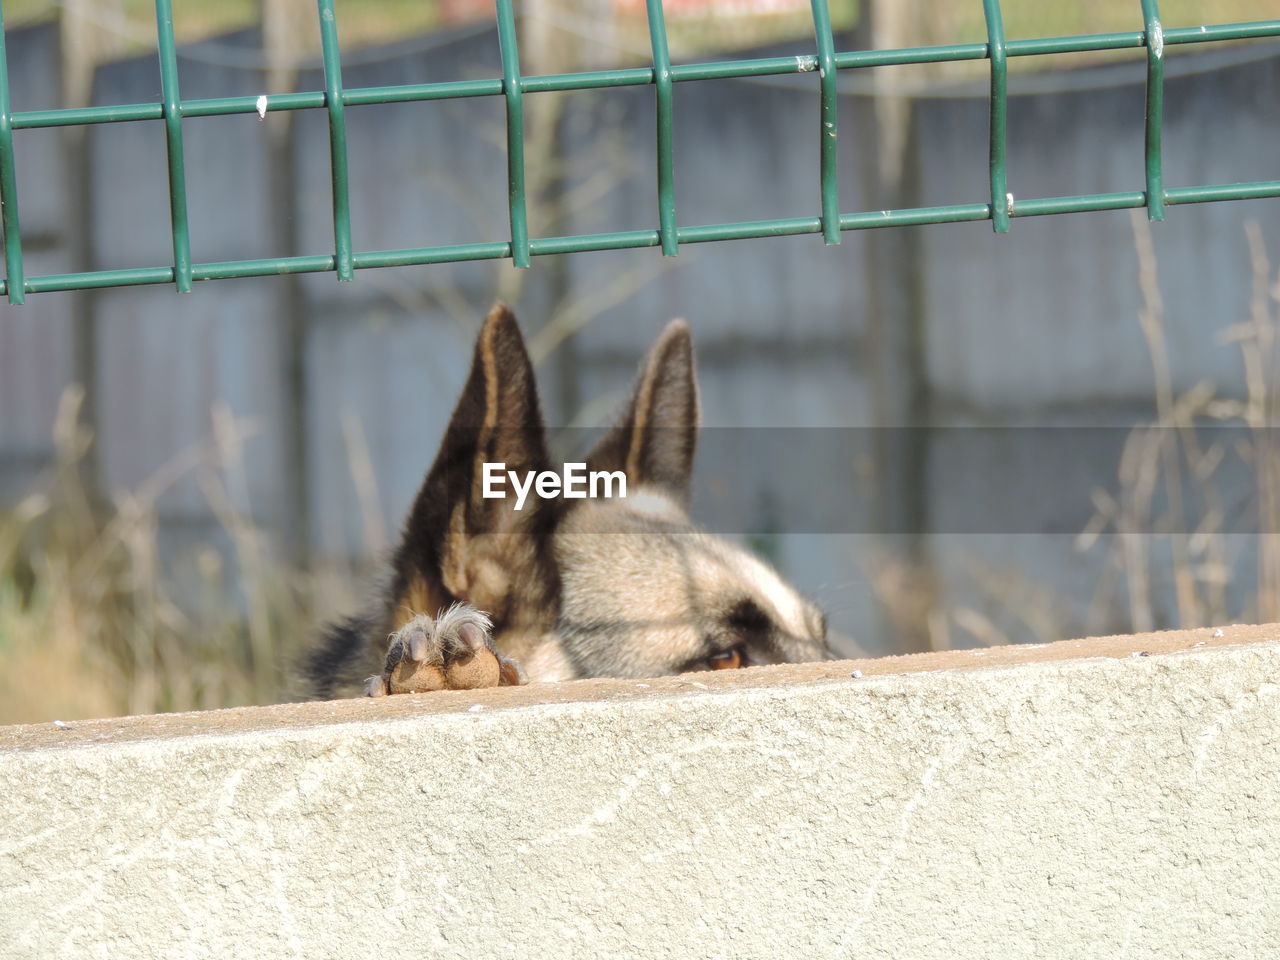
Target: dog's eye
<point>727,660</point>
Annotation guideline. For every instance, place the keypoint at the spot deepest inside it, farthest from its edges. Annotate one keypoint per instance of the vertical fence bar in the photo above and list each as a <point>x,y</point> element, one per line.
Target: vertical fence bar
<point>827,151</point>
<point>666,160</point>
<point>1000,199</point>
<point>15,283</point>
<point>333,99</point>
<point>513,88</point>
<point>173,139</point>
<point>1154,37</point>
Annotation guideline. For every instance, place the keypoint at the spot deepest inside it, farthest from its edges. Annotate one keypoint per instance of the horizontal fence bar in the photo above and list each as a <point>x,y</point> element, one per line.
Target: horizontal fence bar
<point>1227,191</point>
<point>641,76</point>
<point>631,239</point>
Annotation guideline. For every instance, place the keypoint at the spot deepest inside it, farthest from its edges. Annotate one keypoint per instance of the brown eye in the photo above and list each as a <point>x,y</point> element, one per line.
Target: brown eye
<point>727,660</point>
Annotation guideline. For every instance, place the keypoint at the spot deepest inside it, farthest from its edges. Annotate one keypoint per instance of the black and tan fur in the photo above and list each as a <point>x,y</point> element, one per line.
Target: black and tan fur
<point>573,588</point>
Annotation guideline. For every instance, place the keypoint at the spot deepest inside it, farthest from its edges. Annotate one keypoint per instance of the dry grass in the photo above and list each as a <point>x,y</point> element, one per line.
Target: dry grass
<point>1169,476</point>
<point>95,622</point>
<point>1172,548</point>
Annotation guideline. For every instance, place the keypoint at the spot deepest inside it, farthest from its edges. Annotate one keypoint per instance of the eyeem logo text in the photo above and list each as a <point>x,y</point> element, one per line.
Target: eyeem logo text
<point>575,483</point>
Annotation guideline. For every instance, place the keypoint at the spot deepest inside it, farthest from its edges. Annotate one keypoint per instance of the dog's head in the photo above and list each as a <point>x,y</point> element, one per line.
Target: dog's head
<point>624,587</point>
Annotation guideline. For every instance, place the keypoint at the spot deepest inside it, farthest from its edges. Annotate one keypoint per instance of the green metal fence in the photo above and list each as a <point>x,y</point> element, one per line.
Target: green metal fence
<point>670,234</point>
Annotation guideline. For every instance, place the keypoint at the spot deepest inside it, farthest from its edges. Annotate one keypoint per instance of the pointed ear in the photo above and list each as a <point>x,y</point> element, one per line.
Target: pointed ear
<point>654,441</point>
<point>458,544</point>
<point>497,418</point>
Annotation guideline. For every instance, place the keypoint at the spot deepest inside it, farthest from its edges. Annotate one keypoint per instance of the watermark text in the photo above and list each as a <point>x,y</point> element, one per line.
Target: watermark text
<point>575,482</point>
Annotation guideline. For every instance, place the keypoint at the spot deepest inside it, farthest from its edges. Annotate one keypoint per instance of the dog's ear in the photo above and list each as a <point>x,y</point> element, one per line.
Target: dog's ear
<point>654,441</point>
<point>497,419</point>
<point>458,544</point>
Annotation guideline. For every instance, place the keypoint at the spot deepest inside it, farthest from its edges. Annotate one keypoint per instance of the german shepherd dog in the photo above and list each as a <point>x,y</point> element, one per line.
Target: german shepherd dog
<point>482,593</point>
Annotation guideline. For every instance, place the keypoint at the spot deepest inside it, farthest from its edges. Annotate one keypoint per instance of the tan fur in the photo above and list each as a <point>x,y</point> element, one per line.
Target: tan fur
<point>644,398</point>
<point>577,588</point>
<point>663,589</point>
<point>416,599</point>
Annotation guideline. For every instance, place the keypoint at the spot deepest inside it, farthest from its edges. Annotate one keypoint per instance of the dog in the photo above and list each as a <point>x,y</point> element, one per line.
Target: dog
<point>484,592</point>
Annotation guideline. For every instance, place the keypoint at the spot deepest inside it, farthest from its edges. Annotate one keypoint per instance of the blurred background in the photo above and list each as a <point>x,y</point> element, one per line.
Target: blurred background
<point>946,437</point>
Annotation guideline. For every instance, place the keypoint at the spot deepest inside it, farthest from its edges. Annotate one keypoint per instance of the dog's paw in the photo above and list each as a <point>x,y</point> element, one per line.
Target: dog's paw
<point>453,652</point>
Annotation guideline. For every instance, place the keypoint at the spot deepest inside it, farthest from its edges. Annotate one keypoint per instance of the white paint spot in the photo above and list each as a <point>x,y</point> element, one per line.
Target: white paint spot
<point>806,64</point>
<point>262,107</point>
<point>1008,199</point>
<point>1156,39</point>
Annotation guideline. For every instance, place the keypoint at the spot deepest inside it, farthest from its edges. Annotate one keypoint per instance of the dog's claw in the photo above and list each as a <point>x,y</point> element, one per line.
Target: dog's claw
<point>453,652</point>
<point>419,646</point>
<point>512,673</point>
<point>472,636</point>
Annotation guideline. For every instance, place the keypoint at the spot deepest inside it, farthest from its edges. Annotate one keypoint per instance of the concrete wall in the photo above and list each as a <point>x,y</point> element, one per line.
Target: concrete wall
<point>1116,797</point>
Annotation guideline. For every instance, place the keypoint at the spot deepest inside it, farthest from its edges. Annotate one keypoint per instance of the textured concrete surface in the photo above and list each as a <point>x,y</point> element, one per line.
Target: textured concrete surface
<point>1030,802</point>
